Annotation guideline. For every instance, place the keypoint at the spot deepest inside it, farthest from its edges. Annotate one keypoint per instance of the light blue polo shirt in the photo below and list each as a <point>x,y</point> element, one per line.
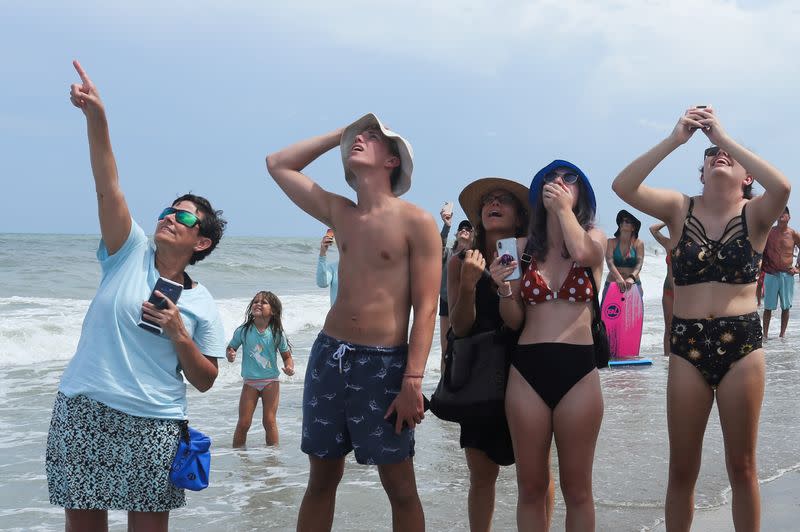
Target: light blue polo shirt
<point>120,364</point>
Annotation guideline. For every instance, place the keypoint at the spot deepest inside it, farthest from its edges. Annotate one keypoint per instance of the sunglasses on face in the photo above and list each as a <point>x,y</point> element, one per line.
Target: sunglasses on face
<point>465,230</point>
<point>182,217</point>
<point>504,199</point>
<point>569,178</point>
<point>626,221</point>
<point>712,151</point>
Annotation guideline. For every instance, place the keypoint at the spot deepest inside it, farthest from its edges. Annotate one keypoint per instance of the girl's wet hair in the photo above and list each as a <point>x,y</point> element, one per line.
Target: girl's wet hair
<point>275,323</point>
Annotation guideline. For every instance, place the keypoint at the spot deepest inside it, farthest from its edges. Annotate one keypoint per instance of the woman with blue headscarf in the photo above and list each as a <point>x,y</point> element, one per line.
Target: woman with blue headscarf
<point>553,385</point>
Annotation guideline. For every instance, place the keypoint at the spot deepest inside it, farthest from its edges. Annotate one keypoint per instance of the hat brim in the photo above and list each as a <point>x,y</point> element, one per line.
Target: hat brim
<point>403,147</point>
<point>538,181</point>
<point>470,197</point>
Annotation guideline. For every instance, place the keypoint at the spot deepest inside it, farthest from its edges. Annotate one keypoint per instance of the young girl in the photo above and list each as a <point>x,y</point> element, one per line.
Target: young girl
<point>261,336</point>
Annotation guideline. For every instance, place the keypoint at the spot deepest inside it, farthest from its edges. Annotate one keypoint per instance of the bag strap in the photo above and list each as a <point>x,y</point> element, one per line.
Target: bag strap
<point>185,430</point>
<point>595,303</point>
<point>526,257</point>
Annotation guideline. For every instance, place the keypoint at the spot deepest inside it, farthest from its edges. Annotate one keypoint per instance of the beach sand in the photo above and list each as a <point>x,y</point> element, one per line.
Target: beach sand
<point>780,508</point>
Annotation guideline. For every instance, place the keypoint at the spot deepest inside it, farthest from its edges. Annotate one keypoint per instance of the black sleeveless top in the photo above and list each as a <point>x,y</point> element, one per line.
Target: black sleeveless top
<point>487,307</point>
<point>698,259</point>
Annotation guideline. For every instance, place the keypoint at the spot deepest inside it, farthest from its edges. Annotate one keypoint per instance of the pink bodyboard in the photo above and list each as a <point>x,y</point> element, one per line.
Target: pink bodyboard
<point>623,314</point>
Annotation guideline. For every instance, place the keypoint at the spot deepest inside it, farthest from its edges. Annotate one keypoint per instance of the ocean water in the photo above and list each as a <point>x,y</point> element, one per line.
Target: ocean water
<point>47,282</point>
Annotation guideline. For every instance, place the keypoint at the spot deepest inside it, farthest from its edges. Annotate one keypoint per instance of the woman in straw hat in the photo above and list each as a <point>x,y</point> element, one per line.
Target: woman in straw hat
<point>496,209</point>
<point>717,241</point>
<point>553,385</point>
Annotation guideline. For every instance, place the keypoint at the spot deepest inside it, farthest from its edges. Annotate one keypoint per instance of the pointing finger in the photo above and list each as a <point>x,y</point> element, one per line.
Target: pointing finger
<point>81,72</point>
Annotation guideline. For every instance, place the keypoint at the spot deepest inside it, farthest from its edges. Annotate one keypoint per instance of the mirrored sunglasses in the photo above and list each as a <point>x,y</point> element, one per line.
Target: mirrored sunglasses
<point>186,218</point>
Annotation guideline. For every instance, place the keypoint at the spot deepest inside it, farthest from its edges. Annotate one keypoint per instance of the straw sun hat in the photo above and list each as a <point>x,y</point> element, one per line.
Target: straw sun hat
<point>470,197</point>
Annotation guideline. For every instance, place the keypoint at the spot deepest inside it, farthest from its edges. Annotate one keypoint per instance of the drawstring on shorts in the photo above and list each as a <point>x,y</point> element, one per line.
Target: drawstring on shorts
<point>340,352</point>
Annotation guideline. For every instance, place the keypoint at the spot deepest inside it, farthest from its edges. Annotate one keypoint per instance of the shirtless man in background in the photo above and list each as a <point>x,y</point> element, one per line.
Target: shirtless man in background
<point>779,272</point>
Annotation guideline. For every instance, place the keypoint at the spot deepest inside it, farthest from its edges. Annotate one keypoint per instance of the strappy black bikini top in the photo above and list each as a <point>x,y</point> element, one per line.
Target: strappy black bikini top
<point>698,259</point>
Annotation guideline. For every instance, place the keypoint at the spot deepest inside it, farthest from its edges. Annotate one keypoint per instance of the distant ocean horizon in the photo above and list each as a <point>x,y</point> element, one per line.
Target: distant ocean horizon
<point>48,280</point>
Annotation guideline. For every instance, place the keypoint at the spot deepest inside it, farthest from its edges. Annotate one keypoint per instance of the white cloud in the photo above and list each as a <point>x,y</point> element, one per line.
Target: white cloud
<point>637,43</point>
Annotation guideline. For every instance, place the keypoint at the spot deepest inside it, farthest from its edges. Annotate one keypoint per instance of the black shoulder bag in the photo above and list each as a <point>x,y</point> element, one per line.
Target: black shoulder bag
<point>602,350</point>
<point>473,383</point>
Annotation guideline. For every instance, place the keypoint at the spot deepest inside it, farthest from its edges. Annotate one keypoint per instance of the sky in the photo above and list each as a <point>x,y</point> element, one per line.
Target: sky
<point>197,93</point>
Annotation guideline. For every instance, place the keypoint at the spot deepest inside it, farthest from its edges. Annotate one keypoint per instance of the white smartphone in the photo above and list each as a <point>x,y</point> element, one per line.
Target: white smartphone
<point>507,251</point>
<point>170,289</point>
<point>447,208</point>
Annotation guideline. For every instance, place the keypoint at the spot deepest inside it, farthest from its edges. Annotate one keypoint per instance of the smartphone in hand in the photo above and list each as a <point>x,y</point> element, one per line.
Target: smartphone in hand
<point>170,289</point>
<point>447,208</point>
<point>507,251</point>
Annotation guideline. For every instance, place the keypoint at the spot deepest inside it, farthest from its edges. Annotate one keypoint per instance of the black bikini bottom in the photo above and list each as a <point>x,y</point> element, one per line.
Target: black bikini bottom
<point>552,369</point>
<point>713,345</point>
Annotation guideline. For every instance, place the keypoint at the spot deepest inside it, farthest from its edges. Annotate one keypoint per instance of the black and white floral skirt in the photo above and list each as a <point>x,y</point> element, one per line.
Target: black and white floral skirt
<point>101,458</point>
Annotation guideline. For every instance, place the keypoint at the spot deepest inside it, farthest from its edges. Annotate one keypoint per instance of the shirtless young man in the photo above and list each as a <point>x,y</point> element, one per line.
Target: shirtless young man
<point>779,272</point>
<point>364,367</point>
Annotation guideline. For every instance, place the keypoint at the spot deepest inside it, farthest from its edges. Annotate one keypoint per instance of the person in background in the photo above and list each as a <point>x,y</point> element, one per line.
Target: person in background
<point>261,338</point>
<point>716,242</point>
<point>327,272</point>
<point>760,287</point>
<point>553,391</point>
<point>625,254</point>
<point>779,272</point>
<point>121,403</point>
<point>464,240</point>
<point>668,294</point>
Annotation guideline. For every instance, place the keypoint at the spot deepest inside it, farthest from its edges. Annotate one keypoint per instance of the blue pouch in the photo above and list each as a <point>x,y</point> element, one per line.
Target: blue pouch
<point>192,462</point>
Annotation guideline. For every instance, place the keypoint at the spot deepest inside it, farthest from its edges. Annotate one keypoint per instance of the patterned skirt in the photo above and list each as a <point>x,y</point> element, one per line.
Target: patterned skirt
<point>103,459</point>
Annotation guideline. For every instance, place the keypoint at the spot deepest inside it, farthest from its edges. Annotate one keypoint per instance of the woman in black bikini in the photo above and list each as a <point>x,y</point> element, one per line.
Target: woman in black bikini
<point>553,386</point>
<point>717,240</point>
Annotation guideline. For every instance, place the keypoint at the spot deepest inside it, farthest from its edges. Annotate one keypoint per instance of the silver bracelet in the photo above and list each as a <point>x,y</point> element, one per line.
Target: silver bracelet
<point>505,296</point>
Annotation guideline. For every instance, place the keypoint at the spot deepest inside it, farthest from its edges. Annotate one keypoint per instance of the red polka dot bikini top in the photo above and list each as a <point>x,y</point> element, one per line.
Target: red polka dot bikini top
<point>577,287</point>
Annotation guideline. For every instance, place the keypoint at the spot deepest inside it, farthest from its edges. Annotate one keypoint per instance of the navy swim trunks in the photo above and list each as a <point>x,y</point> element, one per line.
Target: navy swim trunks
<point>348,389</point>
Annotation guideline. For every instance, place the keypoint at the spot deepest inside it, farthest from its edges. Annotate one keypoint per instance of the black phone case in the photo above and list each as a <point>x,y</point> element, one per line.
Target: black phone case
<point>170,290</point>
